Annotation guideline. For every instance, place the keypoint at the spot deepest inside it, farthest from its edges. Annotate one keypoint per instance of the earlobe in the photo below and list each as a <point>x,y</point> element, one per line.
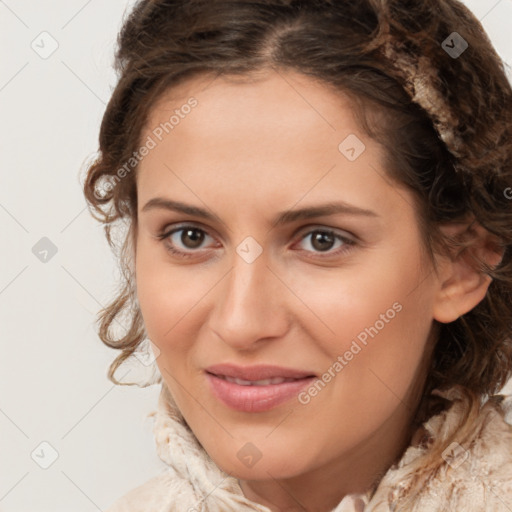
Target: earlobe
<point>462,285</point>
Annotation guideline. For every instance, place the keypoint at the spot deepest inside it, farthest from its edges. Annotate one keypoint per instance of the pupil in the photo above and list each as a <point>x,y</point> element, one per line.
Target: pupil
<point>322,241</point>
<point>196,240</point>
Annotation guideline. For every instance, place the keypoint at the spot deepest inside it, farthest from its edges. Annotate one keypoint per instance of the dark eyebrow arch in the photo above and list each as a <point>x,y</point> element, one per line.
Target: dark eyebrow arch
<point>284,217</point>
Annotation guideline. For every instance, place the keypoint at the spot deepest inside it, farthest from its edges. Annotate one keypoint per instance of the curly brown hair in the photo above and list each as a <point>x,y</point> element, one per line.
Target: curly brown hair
<point>445,119</point>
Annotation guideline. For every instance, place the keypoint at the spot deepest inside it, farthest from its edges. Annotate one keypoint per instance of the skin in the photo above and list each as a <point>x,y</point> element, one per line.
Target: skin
<point>246,152</point>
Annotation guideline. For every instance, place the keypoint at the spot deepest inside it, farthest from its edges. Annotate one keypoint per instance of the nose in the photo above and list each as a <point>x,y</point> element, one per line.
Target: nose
<point>250,305</point>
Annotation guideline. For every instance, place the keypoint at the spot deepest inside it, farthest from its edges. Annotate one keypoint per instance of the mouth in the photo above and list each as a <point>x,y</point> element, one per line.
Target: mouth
<point>262,382</point>
<point>257,388</point>
<point>257,373</point>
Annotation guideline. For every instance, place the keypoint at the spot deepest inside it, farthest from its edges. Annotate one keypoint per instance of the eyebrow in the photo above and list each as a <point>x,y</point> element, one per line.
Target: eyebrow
<point>281,218</point>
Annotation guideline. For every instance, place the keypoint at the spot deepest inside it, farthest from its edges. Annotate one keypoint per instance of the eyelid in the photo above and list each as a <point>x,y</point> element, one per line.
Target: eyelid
<point>305,230</point>
<point>169,229</point>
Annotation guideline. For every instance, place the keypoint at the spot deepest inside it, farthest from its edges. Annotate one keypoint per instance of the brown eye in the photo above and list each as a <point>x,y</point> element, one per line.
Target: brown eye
<point>326,241</point>
<point>322,240</point>
<point>185,241</point>
<point>194,235</point>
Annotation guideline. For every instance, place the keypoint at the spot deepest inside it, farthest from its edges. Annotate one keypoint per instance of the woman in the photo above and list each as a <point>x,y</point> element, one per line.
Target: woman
<point>318,246</point>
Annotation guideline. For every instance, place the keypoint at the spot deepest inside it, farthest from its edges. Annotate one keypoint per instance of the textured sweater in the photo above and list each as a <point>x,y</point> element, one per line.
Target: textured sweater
<point>471,475</point>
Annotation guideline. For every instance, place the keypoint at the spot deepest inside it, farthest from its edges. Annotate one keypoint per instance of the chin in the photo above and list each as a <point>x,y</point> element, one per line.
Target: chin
<point>278,465</point>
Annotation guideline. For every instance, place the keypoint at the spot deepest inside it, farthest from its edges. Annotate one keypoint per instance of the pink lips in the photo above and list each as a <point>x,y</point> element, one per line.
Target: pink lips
<point>256,398</point>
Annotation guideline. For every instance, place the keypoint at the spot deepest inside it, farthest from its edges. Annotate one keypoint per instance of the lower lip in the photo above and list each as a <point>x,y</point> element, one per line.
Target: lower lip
<point>255,398</point>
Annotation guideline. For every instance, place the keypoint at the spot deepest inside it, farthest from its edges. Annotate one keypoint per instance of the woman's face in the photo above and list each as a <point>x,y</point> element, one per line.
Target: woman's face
<point>343,294</point>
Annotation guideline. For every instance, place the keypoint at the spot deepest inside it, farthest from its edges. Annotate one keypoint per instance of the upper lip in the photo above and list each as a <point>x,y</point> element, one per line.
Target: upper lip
<point>257,372</point>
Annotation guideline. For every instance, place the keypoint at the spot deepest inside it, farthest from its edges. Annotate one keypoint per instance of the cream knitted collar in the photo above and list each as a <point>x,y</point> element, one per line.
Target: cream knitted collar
<point>475,475</point>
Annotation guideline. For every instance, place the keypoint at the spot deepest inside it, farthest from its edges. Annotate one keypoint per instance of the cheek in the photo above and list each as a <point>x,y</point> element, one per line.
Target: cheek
<point>154,300</point>
<point>381,374</point>
<point>371,368</point>
<point>388,294</point>
<point>374,329</point>
<point>170,299</point>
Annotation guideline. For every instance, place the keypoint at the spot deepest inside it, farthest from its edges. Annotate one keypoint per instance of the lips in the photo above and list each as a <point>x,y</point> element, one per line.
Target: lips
<point>262,382</point>
<point>257,372</point>
<point>256,388</point>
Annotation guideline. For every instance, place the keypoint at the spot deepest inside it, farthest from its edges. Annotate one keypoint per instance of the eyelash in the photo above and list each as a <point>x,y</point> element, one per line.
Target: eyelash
<point>348,244</point>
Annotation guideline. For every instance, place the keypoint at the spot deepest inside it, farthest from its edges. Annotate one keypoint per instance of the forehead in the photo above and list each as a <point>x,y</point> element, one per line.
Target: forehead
<point>280,135</point>
<point>243,108</point>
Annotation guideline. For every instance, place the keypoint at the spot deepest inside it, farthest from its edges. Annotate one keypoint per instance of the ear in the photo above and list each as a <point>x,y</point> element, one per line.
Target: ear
<point>462,285</point>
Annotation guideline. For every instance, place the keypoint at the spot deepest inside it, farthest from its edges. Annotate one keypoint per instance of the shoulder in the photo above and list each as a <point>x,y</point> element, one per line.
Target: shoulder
<point>468,465</point>
<point>486,461</point>
<point>157,495</point>
<point>476,473</point>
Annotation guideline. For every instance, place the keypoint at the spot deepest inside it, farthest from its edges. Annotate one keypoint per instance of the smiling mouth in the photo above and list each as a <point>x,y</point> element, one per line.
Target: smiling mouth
<point>263,382</point>
<point>253,396</point>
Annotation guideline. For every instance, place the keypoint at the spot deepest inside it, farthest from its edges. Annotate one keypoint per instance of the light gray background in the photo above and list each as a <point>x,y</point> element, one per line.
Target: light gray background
<point>53,366</point>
